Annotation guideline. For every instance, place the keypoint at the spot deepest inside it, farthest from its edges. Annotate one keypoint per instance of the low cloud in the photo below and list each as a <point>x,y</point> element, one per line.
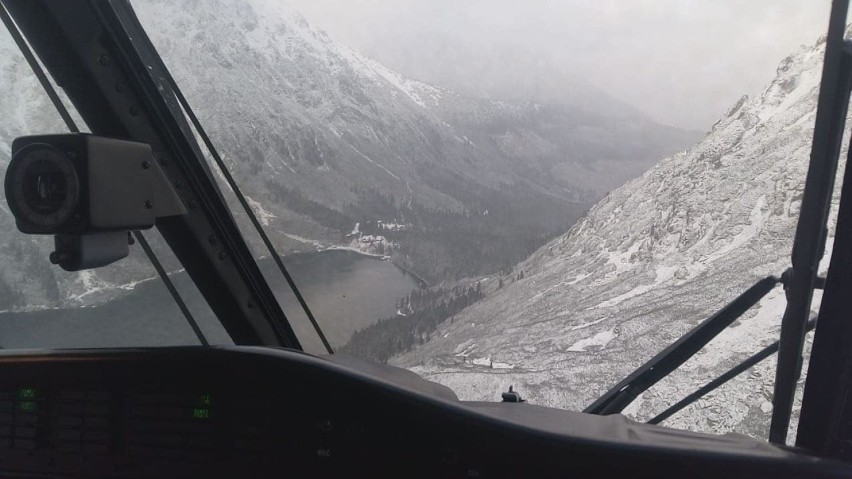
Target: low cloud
<point>683,62</point>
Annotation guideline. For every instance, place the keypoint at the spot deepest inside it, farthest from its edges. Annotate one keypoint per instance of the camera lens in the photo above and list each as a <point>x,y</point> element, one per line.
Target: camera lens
<point>45,188</point>
<point>42,187</point>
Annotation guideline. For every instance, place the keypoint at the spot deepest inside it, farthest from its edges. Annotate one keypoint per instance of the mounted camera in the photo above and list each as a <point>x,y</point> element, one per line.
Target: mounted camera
<point>89,192</point>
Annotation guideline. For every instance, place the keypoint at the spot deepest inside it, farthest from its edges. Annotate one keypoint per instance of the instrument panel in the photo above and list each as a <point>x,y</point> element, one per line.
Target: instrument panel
<point>261,412</point>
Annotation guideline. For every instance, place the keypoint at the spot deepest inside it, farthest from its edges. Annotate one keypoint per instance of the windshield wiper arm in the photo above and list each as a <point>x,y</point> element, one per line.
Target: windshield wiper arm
<point>723,378</point>
<point>623,393</point>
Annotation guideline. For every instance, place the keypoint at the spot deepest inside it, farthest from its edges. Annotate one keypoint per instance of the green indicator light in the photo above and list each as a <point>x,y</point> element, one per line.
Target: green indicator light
<point>200,413</point>
<point>205,399</point>
<point>28,406</point>
<point>27,393</point>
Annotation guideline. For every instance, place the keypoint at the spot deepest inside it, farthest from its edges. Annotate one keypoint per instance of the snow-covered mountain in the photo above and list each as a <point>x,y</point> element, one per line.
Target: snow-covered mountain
<point>322,139</point>
<point>645,265</point>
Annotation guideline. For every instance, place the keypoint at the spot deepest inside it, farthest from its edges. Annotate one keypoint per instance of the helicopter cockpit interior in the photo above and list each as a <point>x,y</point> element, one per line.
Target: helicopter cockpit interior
<point>263,407</point>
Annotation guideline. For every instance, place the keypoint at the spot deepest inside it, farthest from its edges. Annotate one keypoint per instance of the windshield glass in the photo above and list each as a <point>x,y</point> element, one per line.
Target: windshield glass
<point>42,306</point>
<point>488,194</point>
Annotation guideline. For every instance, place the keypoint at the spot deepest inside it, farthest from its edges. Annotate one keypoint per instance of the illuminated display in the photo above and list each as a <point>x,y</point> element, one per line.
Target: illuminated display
<point>205,399</point>
<point>28,406</point>
<point>27,393</point>
<point>201,413</point>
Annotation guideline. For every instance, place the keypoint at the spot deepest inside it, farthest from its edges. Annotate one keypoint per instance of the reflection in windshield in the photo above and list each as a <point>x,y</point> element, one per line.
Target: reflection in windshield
<point>485,213</point>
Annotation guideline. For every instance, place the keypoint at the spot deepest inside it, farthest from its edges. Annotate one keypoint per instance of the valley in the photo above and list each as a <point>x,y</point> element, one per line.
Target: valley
<point>322,139</point>
<point>646,264</point>
<point>563,245</point>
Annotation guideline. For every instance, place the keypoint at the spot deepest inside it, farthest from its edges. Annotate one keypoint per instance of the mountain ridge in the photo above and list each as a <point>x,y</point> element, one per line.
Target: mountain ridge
<point>321,139</point>
<point>647,263</point>
<point>363,124</point>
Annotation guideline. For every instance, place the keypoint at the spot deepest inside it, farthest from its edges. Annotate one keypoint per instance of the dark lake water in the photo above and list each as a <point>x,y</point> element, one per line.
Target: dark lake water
<point>346,291</point>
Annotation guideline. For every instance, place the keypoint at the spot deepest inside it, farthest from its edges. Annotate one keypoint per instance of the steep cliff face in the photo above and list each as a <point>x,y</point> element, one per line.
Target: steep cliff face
<point>646,264</point>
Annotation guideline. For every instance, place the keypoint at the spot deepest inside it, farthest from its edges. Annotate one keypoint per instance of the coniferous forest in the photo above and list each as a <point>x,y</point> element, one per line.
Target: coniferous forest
<point>420,313</point>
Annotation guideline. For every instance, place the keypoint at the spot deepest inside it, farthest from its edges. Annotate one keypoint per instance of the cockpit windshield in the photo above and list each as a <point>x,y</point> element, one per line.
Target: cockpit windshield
<point>41,306</point>
<point>488,194</point>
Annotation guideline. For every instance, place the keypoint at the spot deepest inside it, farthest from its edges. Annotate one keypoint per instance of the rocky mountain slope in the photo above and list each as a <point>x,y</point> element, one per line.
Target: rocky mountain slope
<point>322,139</point>
<point>647,263</point>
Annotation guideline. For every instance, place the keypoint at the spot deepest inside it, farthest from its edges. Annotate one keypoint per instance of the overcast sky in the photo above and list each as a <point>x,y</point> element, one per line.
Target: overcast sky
<point>683,62</point>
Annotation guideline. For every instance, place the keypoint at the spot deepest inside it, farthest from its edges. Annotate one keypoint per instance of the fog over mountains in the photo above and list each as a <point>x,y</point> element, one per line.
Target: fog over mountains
<point>648,262</point>
<point>322,138</point>
<point>333,148</point>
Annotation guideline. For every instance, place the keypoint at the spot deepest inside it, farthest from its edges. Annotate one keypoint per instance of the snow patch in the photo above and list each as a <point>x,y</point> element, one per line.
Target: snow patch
<point>590,323</point>
<point>90,284</point>
<point>621,261</point>
<point>599,340</point>
<point>662,275</point>
<point>490,363</point>
<point>749,232</point>
<point>301,239</point>
<point>806,83</point>
<point>262,214</point>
